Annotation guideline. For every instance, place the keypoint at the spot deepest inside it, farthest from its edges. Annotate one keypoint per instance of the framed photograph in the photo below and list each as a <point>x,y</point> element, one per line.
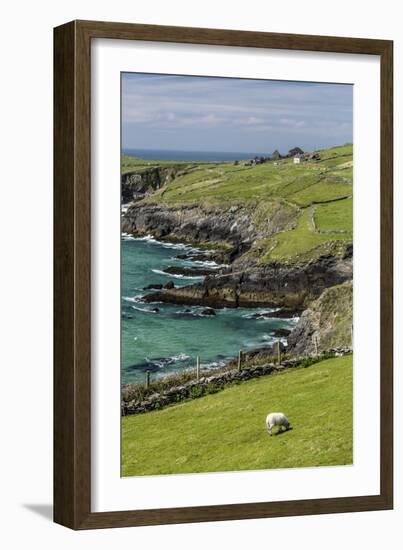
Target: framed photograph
<point>223,275</point>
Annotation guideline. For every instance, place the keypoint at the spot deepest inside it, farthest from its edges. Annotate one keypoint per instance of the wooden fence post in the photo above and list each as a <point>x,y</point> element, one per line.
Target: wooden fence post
<point>240,360</point>
<point>315,341</point>
<point>197,368</point>
<point>147,379</point>
<point>278,352</point>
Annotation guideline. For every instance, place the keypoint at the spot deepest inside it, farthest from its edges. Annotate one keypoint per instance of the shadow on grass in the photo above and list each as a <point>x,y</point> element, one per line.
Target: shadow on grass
<point>281,432</point>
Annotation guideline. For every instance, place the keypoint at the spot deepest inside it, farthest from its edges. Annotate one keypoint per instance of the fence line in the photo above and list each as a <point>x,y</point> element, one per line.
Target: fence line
<point>198,367</point>
<point>278,352</point>
<point>240,360</point>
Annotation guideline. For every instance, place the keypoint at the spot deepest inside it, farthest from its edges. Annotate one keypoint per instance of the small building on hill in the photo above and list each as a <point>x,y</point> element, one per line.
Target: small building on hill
<point>297,159</point>
<point>275,155</point>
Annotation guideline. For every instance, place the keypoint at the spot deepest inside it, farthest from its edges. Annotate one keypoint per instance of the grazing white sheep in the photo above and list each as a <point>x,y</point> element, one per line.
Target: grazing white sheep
<point>277,419</point>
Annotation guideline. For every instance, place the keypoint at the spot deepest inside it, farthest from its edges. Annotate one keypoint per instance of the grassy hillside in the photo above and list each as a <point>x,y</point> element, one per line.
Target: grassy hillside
<point>314,197</point>
<point>301,184</point>
<point>226,431</point>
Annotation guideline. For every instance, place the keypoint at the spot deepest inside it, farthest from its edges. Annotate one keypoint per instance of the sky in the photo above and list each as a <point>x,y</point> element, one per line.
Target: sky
<point>233,115</point>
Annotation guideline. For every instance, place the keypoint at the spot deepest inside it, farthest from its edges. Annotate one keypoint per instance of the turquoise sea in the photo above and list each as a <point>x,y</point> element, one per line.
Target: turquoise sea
<point>168,340</point>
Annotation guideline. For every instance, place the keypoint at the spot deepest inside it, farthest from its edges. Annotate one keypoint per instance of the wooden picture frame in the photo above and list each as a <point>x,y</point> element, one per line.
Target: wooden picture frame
<point>72,271</point>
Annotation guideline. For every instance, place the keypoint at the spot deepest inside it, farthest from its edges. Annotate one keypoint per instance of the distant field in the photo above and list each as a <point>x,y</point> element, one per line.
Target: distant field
<point>130,164</point>
<point>226,431</point>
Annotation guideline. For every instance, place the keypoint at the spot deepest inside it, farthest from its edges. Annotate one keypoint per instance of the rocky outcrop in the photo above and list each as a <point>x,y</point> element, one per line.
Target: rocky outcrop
<point>189,224</point>
<point>138,184</point>
<point>235,226</point>
<point>326,324</point>
<point>274,285</point>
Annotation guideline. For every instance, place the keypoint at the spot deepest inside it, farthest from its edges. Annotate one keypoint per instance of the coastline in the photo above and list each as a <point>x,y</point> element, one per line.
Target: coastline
<point>277,254</point>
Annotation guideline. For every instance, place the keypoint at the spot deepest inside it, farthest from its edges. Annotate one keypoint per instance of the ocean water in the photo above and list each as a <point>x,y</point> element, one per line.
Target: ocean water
<point>169,340</point>
<point>202,156</point>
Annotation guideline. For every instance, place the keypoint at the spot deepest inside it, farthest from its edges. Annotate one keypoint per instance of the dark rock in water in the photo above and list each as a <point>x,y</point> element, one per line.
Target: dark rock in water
<point>285,313</point>
<point>218,256</point>
<point>153,287</point>
<point>169,285</point>
<point>208,311</point>
<point>259,315</point>
<point>281,332</point>
<point>196,256</point>
<point>279,314</point>
<point>155,309</point>
<point>189,271</point>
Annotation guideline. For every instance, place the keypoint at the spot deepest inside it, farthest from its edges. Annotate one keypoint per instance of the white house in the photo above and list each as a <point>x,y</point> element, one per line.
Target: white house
<point>297,159</point>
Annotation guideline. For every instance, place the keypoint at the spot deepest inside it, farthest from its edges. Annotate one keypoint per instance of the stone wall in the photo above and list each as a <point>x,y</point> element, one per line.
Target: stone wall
<point>217,382</point>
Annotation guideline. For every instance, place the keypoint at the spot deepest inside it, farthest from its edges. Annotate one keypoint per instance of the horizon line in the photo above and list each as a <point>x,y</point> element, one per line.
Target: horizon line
<point>232,152</point>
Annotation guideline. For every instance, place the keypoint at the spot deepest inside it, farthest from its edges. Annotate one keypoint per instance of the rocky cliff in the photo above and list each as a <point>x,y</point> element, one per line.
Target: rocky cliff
<point>136,185</point>
<point>275,285</point>
<point>328,321</point>
<point>233,225</point>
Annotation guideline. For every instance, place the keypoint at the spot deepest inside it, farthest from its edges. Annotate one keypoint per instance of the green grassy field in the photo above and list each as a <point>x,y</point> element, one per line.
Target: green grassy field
<point>296,242</point>
<point>335,215</point>
<point>226,431</point>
